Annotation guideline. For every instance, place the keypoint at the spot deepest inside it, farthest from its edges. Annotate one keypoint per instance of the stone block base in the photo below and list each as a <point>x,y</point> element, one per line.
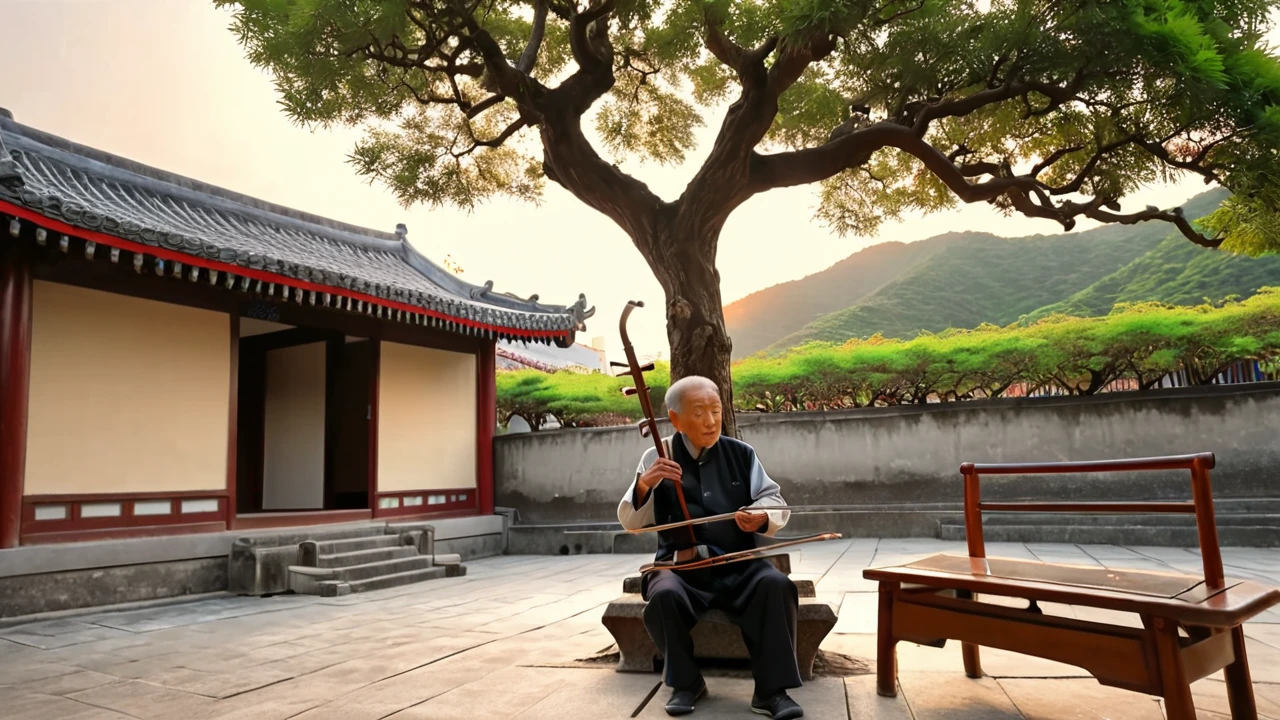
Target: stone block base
<point>714,637</point>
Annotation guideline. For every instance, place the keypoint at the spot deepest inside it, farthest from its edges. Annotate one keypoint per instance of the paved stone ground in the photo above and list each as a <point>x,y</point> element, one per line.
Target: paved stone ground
<point>503,641</point>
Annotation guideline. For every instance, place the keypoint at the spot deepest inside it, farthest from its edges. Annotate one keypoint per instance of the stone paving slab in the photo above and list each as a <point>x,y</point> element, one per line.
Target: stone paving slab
<point>513,639</point>
<point>731,698</point>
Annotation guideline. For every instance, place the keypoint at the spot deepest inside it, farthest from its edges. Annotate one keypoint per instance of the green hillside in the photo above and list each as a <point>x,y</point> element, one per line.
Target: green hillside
<point>977,278</point>
<point>759,319</point>
<point>1176,272</point>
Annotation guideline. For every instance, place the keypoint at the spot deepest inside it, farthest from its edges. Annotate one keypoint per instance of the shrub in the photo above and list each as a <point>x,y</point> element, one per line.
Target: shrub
<point>1137,344</point>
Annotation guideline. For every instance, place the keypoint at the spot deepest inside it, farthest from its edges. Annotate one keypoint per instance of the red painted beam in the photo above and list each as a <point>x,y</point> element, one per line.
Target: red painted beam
<point>486,421</point>
<point>15,385</point>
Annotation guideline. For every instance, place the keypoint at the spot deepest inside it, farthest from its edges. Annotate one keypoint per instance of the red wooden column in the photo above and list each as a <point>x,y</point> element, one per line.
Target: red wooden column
<point>486,420</point>
<point>15,381</point>
<point>233,419</point>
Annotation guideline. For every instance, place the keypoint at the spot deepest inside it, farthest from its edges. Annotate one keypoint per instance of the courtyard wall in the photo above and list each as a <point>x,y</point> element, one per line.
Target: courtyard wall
<point>909,457</point>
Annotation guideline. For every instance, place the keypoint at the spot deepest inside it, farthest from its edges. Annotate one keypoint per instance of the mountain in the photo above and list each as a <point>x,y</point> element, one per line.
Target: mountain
<point>1177,272</point>
<point>966,279</point>
<point>759,319</point>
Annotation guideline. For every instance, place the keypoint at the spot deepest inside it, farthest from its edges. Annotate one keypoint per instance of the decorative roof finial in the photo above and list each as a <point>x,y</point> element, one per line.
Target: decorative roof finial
<point>402,232</point>
<point>10,175</point>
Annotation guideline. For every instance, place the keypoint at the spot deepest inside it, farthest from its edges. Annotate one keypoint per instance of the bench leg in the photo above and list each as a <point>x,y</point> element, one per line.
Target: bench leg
<point>1175,689</point>
<point>1239,684</point>
<point>969,651</point>
<point>886,644</point>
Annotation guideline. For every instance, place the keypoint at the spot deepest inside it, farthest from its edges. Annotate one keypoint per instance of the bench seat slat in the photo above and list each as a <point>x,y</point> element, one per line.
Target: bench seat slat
<point>1139,582</point>
<point>1237,603</point>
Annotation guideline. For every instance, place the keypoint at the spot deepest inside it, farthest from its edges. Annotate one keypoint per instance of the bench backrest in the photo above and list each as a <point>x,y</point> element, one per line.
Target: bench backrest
<point>1201,504</point>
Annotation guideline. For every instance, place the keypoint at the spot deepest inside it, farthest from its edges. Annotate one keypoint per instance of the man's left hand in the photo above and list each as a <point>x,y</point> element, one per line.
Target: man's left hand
<point>749,521</point>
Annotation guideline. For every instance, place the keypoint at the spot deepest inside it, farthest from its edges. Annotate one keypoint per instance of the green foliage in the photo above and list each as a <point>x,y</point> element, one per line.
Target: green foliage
<point>1142,342</point>
<point>1175,272</point>
<point>575,399</point>
<point>1119,94</point>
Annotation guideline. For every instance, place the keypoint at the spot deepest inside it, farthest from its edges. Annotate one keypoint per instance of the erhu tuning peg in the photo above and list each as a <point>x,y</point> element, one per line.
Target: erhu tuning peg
<point>629,391</point>
<point>646,368</point>
<point>644,428</point>
<point>615,363</point>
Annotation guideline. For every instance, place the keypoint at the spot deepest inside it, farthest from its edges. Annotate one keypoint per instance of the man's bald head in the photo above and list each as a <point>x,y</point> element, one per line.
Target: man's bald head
<point>693,405</point>
<point>682,388</point>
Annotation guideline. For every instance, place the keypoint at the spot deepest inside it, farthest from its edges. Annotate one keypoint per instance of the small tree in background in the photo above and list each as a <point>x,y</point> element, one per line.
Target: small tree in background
<point>1053,109</point>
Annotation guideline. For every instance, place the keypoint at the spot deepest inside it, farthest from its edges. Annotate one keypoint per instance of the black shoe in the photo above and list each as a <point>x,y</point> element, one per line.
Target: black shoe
<point>778,707</point>
<point>681,702</point>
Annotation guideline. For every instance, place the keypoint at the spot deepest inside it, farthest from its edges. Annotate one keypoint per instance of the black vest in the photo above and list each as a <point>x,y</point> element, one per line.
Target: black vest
<point>718,482</point>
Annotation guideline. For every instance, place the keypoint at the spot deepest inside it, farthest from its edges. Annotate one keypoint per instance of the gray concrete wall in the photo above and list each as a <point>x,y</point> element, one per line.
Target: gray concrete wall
<point>912,455</point>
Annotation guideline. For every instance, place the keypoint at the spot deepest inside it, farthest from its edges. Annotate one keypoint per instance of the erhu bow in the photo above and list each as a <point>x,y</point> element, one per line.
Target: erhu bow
<point>739,556</point>
<point>649,425</point>
<point>649,428</point>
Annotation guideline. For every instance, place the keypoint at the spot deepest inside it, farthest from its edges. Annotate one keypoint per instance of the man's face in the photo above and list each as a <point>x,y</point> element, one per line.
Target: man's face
<point>699,419</point>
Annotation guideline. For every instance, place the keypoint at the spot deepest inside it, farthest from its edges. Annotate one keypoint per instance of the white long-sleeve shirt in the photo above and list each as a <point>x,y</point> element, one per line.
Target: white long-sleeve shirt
<point>764,492</point>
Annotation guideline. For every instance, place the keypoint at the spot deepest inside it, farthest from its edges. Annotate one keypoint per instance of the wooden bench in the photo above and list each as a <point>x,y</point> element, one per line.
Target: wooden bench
<point>1191,625</point>
<point>715,636</point>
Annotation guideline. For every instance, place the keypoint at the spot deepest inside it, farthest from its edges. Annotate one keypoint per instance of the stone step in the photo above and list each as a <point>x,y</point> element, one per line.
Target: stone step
<point>306,580</point>
<point>383,582</point>
<point>1164,536</point>
<point>363,557</point>
<point>353,573</point>
<point>335,547</point>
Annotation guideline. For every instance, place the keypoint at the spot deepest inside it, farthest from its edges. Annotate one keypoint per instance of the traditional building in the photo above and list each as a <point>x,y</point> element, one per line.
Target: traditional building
<point>178,358</point>
<point>579,358</point>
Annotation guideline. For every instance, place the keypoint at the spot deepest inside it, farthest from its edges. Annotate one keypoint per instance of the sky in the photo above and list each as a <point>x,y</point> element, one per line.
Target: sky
<point>165,83</point>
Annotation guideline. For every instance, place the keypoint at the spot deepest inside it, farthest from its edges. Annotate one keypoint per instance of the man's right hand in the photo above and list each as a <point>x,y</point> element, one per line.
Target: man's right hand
<point>661,469</point>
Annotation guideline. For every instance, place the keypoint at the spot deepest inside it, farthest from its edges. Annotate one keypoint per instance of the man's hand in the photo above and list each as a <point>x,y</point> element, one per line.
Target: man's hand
<point>749,521</point>
<point>661,469</point>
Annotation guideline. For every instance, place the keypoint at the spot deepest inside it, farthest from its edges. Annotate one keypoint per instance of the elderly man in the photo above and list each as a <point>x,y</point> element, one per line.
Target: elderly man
<point>718,475</point>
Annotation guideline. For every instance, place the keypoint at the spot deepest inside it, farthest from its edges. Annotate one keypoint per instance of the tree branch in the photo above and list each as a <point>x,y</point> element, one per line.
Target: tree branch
<point>580,38</point>
<point>529,58</point>
<point>1174,216</point>
<point>497,141</point>
<point>1025,193</point>
<point>1011,88</point>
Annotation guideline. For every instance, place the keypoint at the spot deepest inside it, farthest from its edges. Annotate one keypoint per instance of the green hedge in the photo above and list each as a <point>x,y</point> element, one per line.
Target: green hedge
<point>1137,344</point>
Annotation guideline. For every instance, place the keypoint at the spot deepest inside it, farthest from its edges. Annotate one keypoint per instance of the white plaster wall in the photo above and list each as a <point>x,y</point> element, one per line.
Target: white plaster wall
<point>426,419</point>
<point>293,447</point>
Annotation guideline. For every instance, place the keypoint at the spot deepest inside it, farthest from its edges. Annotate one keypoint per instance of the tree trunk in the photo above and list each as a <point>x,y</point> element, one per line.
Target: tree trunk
<point>700,345</point>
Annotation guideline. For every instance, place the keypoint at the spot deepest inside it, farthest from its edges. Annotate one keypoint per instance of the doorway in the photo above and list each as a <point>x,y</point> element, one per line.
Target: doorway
<point>304,419</point>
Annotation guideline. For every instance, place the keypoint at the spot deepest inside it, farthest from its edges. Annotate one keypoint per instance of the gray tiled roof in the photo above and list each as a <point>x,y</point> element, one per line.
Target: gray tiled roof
<point>96,191</point>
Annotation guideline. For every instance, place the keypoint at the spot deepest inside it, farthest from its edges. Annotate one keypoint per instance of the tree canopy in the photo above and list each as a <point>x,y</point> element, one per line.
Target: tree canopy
<point>1054,109</point>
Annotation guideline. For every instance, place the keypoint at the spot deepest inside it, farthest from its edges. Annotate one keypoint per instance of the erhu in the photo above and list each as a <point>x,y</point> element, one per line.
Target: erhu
<point>649,425</point>
<point>649,428</point>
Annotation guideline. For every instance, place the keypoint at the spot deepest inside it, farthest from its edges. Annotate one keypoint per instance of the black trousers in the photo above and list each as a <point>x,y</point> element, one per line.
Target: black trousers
<point>758,598</point>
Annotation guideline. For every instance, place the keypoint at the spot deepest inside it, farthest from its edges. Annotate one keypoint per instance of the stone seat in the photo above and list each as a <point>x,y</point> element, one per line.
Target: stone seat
<point>715,636</point>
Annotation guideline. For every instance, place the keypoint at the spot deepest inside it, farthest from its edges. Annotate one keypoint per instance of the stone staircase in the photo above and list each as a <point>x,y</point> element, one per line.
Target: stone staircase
<point>331,568</point>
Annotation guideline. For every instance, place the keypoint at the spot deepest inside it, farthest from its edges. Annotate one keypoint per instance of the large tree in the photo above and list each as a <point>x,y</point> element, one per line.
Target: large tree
<point>1053,109</point>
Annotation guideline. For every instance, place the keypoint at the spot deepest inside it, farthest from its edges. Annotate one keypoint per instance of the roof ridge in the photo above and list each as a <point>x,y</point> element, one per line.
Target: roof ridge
<point>110,164</point>
<point>384,265</point>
